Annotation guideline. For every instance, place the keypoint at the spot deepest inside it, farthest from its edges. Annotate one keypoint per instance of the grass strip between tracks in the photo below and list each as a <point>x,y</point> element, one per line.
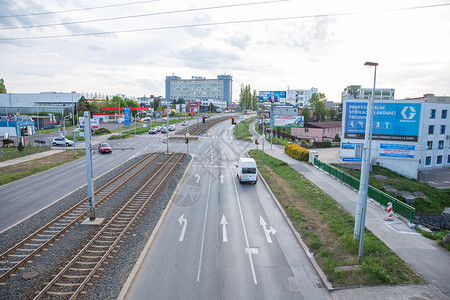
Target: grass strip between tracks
<point>327,230</point>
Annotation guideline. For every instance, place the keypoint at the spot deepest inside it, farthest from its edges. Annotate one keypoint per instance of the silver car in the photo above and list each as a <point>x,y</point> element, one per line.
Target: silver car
<point>62,142</point>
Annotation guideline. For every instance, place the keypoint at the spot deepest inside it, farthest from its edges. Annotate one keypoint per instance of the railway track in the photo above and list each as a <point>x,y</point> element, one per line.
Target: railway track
<point>74,276</point>
<point>195,130</point>
<point>42,238</point>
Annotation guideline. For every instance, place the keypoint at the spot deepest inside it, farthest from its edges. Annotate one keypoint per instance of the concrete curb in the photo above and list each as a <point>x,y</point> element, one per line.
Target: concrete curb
<point>312,260</point>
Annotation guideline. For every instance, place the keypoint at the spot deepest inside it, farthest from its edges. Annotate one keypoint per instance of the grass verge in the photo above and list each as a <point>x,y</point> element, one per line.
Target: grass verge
<point>18,171</point>
<point>241,130</point>
<point>12,153</point>
<point>327,229</point>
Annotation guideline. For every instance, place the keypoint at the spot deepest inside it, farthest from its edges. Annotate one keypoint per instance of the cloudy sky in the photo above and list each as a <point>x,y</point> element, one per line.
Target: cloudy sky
<point>130,46</point>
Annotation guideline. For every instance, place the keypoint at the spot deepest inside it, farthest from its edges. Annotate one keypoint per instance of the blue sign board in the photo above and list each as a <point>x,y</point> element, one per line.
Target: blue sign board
<point>397,150</point>
<point>272,96</point>
<point>347,145</point>
<point>127,116</point>
<point>357,159</point>
<point>391,121</point>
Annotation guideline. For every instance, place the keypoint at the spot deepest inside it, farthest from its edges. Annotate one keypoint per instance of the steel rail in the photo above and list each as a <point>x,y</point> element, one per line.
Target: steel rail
<point>62,218</point>
<point>146,188</point>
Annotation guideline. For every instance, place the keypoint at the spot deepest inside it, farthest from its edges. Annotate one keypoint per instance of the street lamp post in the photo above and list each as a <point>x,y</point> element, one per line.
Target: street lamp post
<point>73,129</point>
<point>360,217</point>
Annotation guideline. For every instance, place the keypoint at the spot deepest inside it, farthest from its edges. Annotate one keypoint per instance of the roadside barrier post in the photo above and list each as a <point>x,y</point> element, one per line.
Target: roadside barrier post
<point>389,211</point>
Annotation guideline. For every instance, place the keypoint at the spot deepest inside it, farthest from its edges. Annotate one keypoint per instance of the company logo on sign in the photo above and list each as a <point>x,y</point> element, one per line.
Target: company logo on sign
<point>412,112</point>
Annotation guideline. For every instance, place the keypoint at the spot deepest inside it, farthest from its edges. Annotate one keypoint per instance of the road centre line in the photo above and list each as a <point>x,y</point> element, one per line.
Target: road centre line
<point>21,196</point>
<point>204,228</point>
<point>248,250</point>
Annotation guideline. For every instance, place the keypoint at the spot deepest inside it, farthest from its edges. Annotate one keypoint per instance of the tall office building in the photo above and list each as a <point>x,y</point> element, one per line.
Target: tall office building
<point>199,88</point>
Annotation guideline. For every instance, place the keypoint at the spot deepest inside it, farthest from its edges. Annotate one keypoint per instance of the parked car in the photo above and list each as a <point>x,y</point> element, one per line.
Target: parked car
<point>152,130</point>
<point>171,127</point>
<point>147,119</point>
<point>158,128</point>
<point>104,148</point>
<point>61,142</point>
<point>165,119</point>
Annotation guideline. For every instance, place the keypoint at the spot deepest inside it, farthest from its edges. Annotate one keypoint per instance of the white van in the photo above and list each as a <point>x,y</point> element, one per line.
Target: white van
<point>247,170</point>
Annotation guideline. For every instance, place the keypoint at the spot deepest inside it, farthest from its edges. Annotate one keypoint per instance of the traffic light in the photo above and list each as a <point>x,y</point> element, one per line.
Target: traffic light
<point>186,140</point>
<point>232,121</point>
<point>203,119</point>
<point>256,142</point>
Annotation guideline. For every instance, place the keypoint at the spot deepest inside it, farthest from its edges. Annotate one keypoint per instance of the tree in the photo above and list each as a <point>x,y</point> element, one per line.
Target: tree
<point>305,114</point>
<point>333,113</point>
<point>2,86</point>
<point>317,103</point>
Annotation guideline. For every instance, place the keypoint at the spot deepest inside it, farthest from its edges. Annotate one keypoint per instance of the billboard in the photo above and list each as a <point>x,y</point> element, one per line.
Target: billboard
<point>391,121</point>
<point>397,150</point>
<point>272,97</point>
<point>288,121</point>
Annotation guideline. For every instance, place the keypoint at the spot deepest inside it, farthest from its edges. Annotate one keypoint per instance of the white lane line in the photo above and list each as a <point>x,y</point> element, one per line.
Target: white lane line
<point>248,249</point>
<point>21,196</point>
<point>204,229</point>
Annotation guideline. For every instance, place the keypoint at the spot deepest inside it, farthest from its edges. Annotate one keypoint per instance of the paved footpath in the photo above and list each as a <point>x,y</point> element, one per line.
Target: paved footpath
<point>422,254</point>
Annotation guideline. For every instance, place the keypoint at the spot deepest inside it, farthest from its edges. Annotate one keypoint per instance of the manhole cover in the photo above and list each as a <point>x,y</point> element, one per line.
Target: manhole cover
<point>30,275</point>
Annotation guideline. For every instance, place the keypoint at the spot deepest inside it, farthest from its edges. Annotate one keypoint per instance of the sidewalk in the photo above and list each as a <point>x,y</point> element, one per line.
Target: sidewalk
<point>423,255</point>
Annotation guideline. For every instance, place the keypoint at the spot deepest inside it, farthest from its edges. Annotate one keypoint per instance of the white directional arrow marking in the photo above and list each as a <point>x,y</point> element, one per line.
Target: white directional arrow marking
<point>267,231</point>
<point>182,220</point>
<point>198,177</point>
<point>224,228</point>
<point>221,178</point>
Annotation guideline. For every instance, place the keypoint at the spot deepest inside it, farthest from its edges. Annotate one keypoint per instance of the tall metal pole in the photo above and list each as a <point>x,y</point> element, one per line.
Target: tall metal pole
<point>73,129</point>
<point>90,187</point>
<point>360,217</point>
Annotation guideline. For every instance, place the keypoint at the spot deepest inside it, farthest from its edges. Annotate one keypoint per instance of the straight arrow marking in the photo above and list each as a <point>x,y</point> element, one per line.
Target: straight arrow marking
<point>224,228</point>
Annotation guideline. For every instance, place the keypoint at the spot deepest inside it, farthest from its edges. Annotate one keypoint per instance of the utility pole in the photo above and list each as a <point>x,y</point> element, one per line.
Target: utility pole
<point>90,187</point>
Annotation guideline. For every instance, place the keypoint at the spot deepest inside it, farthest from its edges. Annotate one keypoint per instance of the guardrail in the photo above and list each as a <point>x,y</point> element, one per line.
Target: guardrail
<point>398,206</point>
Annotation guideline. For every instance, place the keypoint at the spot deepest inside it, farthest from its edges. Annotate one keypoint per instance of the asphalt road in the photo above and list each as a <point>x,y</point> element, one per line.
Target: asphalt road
<point>221,239</point>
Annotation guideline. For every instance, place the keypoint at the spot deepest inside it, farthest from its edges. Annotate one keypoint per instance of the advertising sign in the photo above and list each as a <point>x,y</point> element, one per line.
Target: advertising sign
<point>94,122</point>
<point>347,145</point>
<point>391,121</point>
<point>126,112</point>
<point>183,108</point>
<point>397,150</point>
<point>272,96</point>
<point>288,120</point>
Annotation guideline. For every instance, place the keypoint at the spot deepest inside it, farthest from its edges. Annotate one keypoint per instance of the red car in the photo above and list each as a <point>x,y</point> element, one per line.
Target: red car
<point>104,148</point>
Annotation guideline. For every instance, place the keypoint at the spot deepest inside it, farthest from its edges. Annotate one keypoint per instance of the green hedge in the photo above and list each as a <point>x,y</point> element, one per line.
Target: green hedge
<point>322,144</point>
<point>297,152</point>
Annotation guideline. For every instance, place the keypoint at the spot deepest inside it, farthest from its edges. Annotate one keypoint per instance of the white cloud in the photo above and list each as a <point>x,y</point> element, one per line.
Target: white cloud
<point>326,52</point>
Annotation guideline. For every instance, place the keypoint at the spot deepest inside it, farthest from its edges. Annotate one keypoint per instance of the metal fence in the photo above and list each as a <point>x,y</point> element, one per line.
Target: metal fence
<point>398,206</point>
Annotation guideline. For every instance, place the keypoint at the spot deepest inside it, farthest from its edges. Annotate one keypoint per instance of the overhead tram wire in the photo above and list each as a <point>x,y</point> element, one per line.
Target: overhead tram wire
<point>78,9</point>
<point>146,15</point>
<point>221,23</point>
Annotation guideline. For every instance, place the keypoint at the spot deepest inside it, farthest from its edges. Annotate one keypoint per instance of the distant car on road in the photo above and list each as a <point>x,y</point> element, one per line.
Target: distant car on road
<point>146,119</point>
<point>158,128</point>
<point>164,130</point>
<point>184,123</point>
<point>171,127</point>
<point>104,148</point>
<point>152,130</point>
<point>62,142</point>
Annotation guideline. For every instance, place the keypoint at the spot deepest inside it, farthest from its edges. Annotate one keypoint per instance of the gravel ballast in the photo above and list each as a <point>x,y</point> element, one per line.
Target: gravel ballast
<point>117,267</point>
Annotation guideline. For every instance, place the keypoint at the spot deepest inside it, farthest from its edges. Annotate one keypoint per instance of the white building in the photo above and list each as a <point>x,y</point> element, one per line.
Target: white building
<point>408,136</point>
<point>300,98</point>
<point>356,92</point>
<point>11,103</point>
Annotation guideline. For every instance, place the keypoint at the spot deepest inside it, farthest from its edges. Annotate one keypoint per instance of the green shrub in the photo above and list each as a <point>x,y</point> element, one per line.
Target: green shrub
<point>297,152</point>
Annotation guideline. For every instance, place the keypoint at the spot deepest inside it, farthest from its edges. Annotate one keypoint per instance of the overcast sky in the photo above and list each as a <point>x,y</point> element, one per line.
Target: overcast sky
<point>271,45</point>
